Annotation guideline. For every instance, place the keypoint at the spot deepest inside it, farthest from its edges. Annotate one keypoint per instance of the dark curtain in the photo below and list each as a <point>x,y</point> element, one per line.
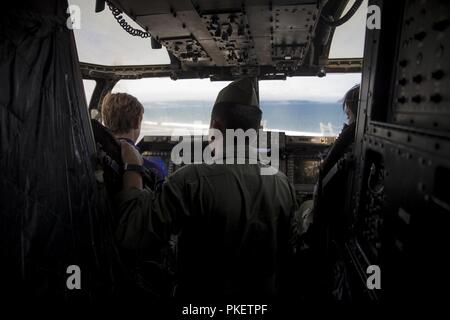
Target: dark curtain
<point>49,200</point>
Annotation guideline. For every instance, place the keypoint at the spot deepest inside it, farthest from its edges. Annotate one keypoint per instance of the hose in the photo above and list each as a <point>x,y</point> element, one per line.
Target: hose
<point>345,18</point>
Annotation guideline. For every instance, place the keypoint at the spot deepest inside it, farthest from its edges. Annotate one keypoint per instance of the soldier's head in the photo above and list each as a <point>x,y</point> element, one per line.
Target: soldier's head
<point>122,114</point>
<point>350,103</point>
<point>236,107</point>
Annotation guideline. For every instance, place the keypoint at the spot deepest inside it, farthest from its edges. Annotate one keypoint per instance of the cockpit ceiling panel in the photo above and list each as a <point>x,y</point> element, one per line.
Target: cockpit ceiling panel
<point>229,33</point>
<point>227,4</point>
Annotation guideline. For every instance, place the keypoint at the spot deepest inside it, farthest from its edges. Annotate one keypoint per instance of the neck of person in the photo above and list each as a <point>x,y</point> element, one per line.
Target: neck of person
<point>247,150</point>
<point>130,135</point>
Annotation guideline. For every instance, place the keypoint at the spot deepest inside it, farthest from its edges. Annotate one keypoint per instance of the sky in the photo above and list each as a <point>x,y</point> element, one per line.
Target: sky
<point>101,40</point>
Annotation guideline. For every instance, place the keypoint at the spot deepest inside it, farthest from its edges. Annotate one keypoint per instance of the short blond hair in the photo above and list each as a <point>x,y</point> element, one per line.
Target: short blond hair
<point>121,112</point>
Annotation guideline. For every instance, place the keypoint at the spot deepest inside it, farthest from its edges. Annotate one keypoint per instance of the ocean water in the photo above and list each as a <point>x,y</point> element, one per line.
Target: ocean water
<point>295,117</point>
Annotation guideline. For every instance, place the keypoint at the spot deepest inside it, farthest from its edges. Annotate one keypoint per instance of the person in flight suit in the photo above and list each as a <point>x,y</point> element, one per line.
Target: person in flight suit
<point>233,224</point>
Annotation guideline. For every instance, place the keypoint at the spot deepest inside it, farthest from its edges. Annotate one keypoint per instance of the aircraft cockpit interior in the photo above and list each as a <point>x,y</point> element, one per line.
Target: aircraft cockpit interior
<point>109,109</point>
<point>220,42</point>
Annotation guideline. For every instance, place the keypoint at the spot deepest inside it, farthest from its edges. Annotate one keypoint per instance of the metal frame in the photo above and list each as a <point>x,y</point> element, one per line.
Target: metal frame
<point>106,77</point>
<point>96,71</point>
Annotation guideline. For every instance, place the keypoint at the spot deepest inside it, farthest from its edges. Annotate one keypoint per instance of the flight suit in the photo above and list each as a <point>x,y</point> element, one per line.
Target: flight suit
<point>233,225</point>
<point>338,149</point>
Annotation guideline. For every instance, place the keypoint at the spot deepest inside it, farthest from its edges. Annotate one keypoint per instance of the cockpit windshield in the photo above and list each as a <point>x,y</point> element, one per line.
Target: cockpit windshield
<point>101,40</point>
<point>348,39</point>
<point>308,106</point>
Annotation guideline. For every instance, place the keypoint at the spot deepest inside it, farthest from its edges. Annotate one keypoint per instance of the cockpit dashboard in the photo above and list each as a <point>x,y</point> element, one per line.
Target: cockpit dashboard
<point>299,157</point>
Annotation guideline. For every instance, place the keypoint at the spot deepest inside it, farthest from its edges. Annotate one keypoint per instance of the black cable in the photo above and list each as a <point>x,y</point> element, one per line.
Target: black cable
<point>345,18</point>
<point>118,15</point>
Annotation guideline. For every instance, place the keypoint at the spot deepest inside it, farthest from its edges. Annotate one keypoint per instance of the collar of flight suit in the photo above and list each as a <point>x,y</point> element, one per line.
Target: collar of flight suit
<point>251,153</point>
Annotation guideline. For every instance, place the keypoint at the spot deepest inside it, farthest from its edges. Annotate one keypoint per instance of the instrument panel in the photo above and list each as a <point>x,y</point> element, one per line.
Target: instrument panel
<point>300,156</point>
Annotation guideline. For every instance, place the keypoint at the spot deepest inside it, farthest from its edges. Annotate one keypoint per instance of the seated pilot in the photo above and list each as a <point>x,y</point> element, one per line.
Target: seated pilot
<point>122,114</point>
<point>233,224</point>
<point>305,214</point>
<point>308,226</point>
<point>347,136</point>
